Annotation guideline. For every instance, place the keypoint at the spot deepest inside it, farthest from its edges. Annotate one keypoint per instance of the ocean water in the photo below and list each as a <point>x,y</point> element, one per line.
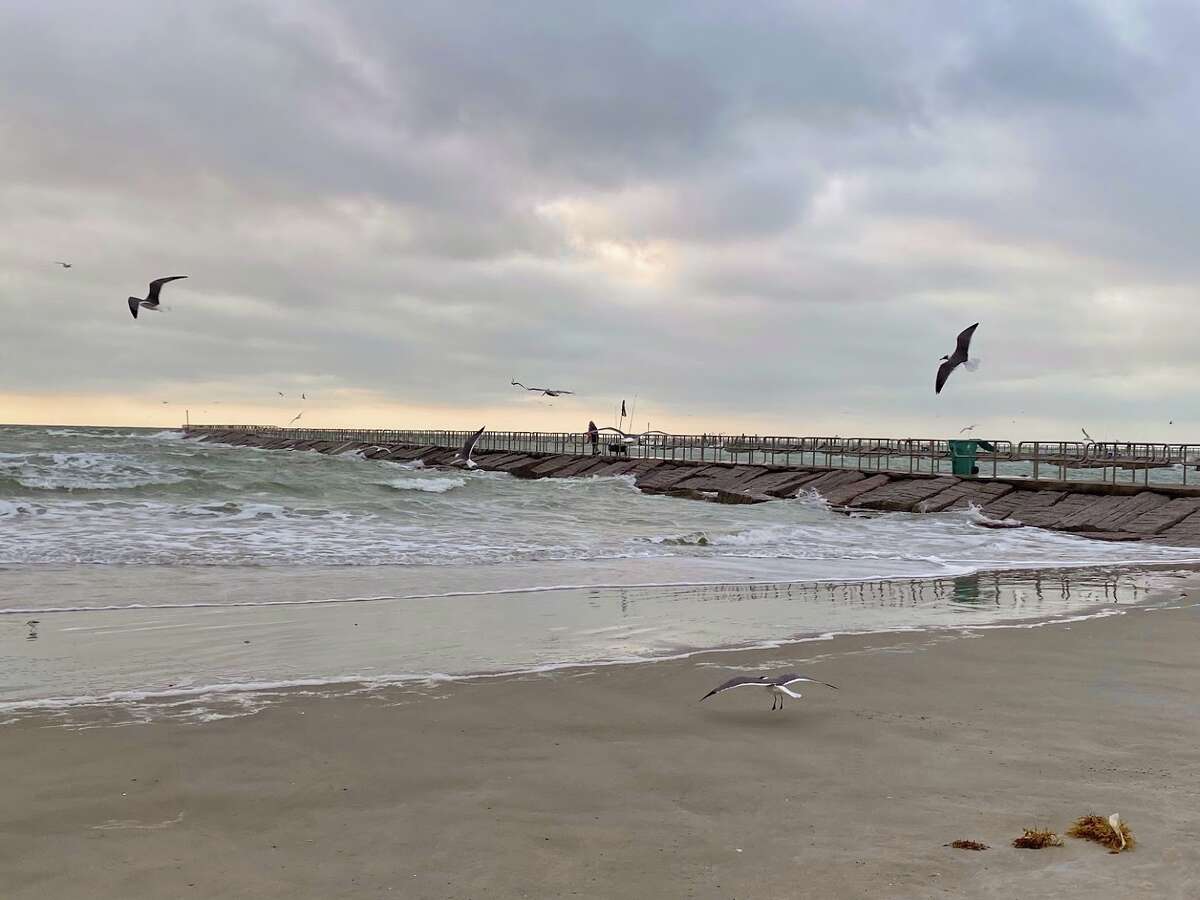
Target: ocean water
<point>168,575</point>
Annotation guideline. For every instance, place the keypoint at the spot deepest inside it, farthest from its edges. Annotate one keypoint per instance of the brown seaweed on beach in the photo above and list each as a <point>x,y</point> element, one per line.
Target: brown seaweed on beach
<point>1036,839</point>
<point>1111,832</point>
<point>962,844</point>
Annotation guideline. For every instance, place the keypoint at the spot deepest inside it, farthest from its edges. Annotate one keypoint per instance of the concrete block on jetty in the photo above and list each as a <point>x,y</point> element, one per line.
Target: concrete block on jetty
<point>664,477</point>
<point>787,483</point>
<point>845,494</point>
<point>551,465</point>
<point>903,494</point>
<point>1167,515</point>
<point>966,493</point>
<point>1104,511</point>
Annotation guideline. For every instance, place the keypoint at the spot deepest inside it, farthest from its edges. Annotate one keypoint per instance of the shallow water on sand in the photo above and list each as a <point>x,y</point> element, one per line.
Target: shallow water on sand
<point>199,576</point>
<point>211,660</point>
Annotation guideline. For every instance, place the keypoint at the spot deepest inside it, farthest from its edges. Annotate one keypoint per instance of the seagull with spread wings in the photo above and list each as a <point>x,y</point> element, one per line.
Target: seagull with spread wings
<point>956,359</point>
<point>150,301</point>
<point>462,458</point>
<point>545,392</point>
<point>777,685</point>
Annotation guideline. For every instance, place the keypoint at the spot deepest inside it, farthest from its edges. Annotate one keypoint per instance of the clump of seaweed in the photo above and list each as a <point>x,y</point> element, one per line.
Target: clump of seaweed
<point>1111,832</point>
<point>962,844</point>
<point>1036,839</point>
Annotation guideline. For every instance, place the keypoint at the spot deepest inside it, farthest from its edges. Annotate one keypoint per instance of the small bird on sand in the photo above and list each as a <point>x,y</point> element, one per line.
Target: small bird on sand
<point>955,359</point>
<point>776,684</point>
<point>545,392</point>
<point>65,265</point>
<point>151,299</point>
<point>462,458</point>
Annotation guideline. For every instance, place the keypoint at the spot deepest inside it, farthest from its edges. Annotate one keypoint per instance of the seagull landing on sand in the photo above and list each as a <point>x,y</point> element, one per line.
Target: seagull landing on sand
<point>462,458</point>
<point>545,392</point>
<point>776,684</point>
<point>65,265</point>
<point>955,359</point>
<point>151,299</point>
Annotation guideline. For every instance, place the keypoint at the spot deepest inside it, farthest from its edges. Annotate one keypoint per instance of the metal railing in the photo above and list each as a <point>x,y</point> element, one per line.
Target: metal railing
<point>1112,463</point>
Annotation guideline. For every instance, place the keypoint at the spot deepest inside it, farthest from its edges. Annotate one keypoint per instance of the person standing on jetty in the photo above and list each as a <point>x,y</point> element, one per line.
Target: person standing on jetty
<point>593,437</point>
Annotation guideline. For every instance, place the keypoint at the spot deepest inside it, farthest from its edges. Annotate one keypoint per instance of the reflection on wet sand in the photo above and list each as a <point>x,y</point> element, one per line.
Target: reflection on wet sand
<point>1026,590</point>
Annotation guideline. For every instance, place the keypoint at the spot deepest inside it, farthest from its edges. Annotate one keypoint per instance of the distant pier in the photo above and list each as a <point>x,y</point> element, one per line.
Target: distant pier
<point>1144,491</point>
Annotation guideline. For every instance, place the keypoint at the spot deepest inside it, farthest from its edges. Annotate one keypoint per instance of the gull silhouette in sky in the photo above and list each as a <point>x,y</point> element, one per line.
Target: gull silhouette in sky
<point>150,301</point>
<point>545,392</point>
<point>955,359</point>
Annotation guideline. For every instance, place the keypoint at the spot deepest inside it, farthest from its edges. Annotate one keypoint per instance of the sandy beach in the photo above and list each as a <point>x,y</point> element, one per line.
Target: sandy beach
<point>615,782</point>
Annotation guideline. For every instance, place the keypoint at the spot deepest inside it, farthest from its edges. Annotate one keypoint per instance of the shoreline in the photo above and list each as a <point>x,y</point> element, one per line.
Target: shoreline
<point>1157,586</point>
<point>614,781</point>
<point>353,686</point>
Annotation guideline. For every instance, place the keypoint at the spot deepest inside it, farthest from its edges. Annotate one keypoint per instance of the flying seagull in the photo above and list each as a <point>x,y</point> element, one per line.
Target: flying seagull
<point>1086,435</point>
<point>296,417</point>
<point>955,359</point>
<point>776,684</point>
<point>65,265</point>
<point>545,392</point>
<point>151,299</point>
<point>462,458</point>
<point>968,428</point>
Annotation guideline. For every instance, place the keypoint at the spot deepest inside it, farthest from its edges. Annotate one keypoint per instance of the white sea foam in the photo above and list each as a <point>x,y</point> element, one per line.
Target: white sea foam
<point>96,471</point>
<point>978,517</point>
<point>427,485</point>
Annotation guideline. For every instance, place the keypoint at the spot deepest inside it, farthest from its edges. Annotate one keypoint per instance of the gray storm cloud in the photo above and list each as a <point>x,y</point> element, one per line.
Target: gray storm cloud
<point>776,210</point>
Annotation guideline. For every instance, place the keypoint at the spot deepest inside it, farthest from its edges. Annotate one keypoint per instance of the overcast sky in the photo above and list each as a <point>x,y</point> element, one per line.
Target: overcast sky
<point>771,217</point>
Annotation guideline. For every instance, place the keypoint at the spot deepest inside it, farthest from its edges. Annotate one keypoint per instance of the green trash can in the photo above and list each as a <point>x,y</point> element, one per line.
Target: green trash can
<point>962,456</point>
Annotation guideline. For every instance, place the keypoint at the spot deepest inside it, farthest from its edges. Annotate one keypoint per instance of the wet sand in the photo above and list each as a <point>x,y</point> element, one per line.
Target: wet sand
<point>615,782</point>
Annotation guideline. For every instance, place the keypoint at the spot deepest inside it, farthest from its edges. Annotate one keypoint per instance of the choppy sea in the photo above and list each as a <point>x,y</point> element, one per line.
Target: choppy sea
<point>158,576</point>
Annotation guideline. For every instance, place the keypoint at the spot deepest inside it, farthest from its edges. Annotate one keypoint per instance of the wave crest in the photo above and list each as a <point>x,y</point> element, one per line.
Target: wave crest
<point>427,485</point>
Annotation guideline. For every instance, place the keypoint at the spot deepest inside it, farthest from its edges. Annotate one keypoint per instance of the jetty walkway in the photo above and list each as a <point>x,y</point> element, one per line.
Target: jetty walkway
<point>1114,492</point>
